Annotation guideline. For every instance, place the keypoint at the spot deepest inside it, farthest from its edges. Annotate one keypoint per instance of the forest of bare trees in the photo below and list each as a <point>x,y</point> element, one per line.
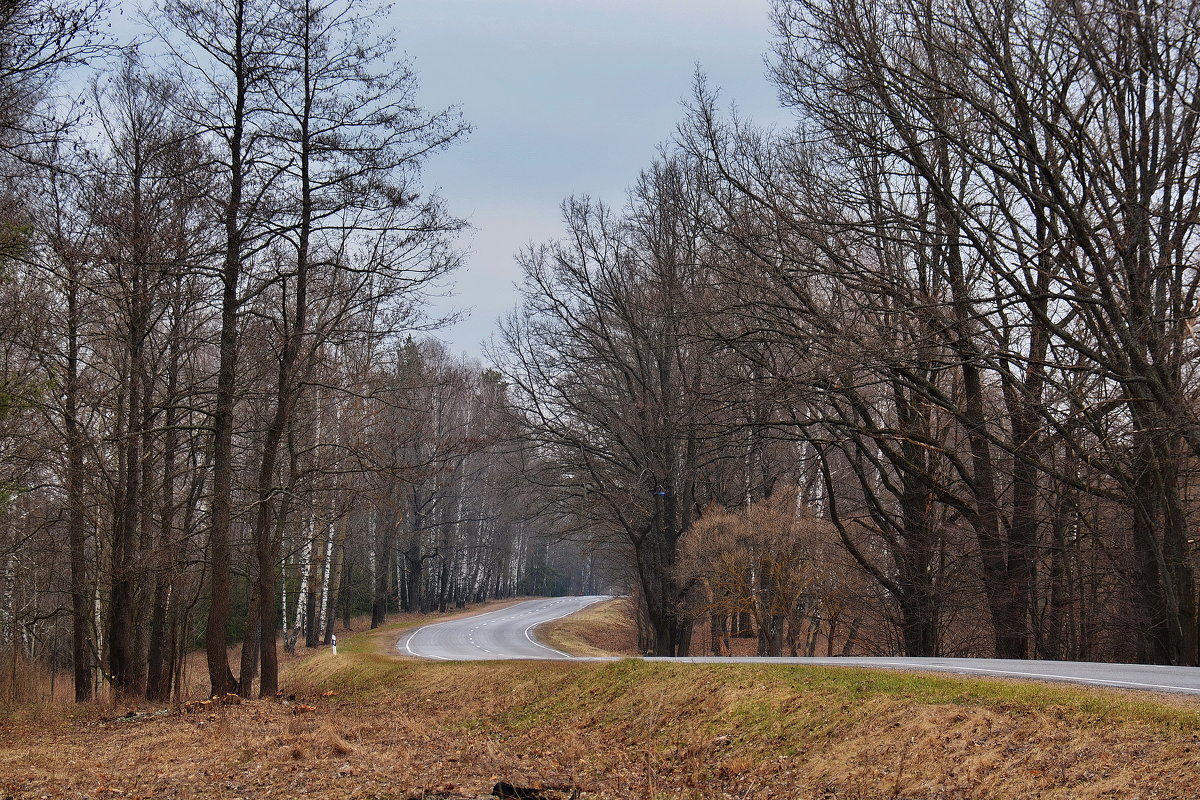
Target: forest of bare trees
<point>222,423</point>
<point>913,375</point>
<point>951,309</point>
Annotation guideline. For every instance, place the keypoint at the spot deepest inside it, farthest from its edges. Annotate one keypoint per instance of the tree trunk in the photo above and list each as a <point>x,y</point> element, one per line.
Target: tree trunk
<point>81,655</point>
<point>220,676</point>
<point>335,581</point>
<point>121,654</point>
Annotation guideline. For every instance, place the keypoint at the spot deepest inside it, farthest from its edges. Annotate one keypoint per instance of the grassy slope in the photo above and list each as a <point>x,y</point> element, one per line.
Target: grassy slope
<point>400,728</point>
<point>787,731</point>
<point>603,629</point>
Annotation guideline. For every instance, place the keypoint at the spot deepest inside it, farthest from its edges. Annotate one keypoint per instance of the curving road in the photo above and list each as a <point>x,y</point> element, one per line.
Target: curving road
<point>509,634</point>
<point>503,634</point>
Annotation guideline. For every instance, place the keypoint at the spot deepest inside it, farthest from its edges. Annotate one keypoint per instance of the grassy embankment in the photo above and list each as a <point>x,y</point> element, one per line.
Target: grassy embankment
<point>399,728</point>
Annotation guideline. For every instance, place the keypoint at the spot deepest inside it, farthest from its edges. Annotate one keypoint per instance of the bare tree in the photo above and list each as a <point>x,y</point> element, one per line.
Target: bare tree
<point>610,366</point>
<point>1071,186</point>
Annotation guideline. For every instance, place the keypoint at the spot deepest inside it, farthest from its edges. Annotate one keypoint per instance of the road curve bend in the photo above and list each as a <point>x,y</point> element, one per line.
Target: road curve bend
<point>509,634</point>
<point>503,634</point>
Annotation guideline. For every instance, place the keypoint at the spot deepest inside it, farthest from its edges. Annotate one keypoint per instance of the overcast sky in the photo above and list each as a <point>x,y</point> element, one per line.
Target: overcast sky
<point>565,97</point>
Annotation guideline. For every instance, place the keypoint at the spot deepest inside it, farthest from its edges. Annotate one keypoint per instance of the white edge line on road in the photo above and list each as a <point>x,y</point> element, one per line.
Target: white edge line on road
<point>408,639</point>
<point>408,644</point>
<point>892,665</point>
<point>552,619</point>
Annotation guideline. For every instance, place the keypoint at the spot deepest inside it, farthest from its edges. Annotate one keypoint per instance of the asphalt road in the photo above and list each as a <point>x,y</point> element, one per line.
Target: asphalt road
<point>509,634</point>
<point>1150,677</point>
<point>503,634</point>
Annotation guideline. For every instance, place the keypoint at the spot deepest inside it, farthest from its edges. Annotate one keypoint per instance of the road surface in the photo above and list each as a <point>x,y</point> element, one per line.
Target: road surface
<point>503,634</point>
<point>1150,677</point>
<point>509,634</point>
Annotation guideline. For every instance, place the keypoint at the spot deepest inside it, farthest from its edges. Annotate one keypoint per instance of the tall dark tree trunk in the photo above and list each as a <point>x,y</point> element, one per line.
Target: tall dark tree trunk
<point>159,667</point>
<point>344,596</point>
<point>385,543</point>
<point>663,600</point>
<point>81,654</point>
<point>220,676</point>
<point>1165,580</point>
<point>221,679</point>
<point>121,633</point>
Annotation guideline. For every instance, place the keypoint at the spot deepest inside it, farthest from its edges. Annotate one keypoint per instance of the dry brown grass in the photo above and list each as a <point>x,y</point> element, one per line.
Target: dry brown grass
<point>31,690</point>
<point>399,728</point>
<point>23,682</point>
<point>608,629</point>
<point>602,629</point>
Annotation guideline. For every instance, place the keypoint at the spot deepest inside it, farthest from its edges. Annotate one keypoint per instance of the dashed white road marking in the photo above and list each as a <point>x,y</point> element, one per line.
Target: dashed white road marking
<point>533,616</point>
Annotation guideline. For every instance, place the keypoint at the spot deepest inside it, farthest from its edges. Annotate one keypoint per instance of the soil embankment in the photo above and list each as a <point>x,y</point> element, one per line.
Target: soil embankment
<point>364,724</point>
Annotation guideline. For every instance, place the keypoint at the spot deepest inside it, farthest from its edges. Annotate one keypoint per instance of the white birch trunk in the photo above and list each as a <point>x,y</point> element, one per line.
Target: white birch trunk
<point>9,622</point>
<point>516,560</point>
<point>98,624</point>
<point>325,573</point>
<point>371,550</point>
<point>283,595</point>
<point>305,557</point>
